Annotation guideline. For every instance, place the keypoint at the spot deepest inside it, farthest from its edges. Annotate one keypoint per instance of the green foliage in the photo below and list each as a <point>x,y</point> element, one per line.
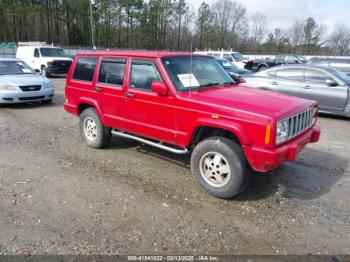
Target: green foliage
<point>151,24</point>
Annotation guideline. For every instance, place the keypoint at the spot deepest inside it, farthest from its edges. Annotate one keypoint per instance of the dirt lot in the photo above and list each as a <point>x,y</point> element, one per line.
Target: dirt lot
<point>57,196</point>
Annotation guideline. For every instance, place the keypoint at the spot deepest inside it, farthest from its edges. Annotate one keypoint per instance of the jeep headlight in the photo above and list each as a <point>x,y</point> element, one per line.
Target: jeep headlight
<point>7,87</point>
<point>282,131</point>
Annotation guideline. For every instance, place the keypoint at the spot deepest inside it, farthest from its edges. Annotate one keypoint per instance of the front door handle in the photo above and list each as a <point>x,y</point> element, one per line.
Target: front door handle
<point>274,83</point>
<point>307,87</point>
<point>131,95</point>
<point>98,89</point>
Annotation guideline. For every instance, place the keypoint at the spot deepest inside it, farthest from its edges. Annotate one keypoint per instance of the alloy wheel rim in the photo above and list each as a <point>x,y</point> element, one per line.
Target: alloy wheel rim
<point>90,129</point>
<point>215,169</point>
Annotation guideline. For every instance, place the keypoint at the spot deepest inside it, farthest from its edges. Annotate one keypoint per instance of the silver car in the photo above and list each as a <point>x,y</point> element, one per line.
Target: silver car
<point>328,86</point>
<point>21,84</point>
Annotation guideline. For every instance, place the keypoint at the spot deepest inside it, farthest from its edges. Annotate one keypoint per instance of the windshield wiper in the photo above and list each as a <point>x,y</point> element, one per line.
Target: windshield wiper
<point>208,85</point>
<point>227,83</point>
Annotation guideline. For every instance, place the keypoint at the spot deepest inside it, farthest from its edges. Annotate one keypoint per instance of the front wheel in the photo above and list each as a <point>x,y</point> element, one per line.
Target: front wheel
<point>44,72</point>
<point>220,167</point>
<point>92,130</point>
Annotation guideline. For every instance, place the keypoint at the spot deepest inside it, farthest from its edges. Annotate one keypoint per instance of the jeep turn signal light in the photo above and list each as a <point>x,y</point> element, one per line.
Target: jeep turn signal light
<point>268,134</point>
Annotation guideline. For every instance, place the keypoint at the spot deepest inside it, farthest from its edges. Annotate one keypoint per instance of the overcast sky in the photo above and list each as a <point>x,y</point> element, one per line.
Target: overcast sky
<point>282,13</point>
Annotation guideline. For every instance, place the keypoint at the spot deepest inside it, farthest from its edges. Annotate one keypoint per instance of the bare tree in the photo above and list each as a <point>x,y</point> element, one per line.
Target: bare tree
<point>228,17</point>
<point>340,40</point>
<point>258,29</point>
<point>296,34</point>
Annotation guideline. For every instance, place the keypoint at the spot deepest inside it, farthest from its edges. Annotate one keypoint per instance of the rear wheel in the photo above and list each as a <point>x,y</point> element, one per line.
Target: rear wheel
<point>262,68</point>
<point>220,167</point>
<point>92,130</point>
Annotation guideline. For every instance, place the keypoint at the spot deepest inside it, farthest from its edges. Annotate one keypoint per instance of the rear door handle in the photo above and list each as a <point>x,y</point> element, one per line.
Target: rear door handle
<point>274,83</point>
<point>307,87</point>
<point>131,95</point>
<point>98,89</point>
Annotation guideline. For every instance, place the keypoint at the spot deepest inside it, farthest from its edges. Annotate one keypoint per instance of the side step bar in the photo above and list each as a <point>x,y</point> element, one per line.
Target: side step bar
<point>145,141</point>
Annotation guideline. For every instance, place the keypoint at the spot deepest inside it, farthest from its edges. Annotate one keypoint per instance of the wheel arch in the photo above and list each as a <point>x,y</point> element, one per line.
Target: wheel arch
<point>85,103</point>
<point>205,129</point>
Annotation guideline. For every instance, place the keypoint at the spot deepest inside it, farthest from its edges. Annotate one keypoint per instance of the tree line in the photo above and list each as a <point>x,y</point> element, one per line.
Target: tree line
<point>164,24</point>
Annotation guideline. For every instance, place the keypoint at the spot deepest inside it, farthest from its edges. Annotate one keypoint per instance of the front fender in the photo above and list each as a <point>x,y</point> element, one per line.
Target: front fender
<point>234,128</point>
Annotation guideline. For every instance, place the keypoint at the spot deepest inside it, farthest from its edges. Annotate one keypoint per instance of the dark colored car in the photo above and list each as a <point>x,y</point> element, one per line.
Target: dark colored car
<point>262,64</point>
<point>341,64</point>
<point>232,69</point>
<point>328,86</point>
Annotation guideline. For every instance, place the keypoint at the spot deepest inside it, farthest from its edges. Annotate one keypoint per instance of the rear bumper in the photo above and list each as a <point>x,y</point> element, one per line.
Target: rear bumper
<point>264,160</point>
<point>72,109</point>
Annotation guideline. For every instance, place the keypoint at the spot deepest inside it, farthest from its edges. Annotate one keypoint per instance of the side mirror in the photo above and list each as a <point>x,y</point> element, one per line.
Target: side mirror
<point>331,82</point>
<point>236,77</point>
<point>160,88</point>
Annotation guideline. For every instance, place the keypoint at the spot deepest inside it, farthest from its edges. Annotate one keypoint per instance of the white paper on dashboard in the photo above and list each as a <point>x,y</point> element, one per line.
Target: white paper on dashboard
<point>25,70</point>
<point>188,80</point>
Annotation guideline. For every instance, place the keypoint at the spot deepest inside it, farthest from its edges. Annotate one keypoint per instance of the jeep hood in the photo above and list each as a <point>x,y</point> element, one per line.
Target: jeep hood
<point>250,100</point>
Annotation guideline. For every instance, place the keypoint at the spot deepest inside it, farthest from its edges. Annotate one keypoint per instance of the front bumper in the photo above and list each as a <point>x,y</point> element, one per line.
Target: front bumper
<point>264,160</point>
<point>57,70</point>
<point>26,97</point>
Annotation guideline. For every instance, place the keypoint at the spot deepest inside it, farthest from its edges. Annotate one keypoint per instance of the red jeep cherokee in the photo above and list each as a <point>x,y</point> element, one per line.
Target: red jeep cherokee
<point>183,103</point>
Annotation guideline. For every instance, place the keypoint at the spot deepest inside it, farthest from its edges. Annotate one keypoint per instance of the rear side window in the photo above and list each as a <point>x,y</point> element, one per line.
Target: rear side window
<point>143,73</point>
<point>290,74</point>
<point>112,71</point>
<point>315,76</point>
<point>85,68</point>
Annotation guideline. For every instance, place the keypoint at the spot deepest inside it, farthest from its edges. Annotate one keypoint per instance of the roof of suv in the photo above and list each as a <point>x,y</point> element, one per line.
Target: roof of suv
<point>136,53</point>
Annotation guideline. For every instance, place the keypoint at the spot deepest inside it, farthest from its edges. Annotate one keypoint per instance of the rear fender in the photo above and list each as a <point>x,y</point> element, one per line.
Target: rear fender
<point>93,103</point>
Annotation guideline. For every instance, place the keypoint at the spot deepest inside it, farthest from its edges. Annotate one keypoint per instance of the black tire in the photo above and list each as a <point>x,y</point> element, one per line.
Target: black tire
<point>232,153</point>
<point>44,72</point>
<point>101,137</point>
<point>262,68</point>
<point>46,102</point>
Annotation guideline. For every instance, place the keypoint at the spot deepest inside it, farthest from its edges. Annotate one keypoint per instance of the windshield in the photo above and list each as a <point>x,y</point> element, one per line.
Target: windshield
<point>52,52</point>
<point>15,68</point>
<point>339,74</point>
<point>302,58</point>
<point>238,57</point>
<point>227,64</point>
<point>205,72</point>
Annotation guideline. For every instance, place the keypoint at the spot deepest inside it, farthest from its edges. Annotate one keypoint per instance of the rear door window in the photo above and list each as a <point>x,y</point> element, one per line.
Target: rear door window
<point>85,68</point>
<point>112,71</point>
<point>143,73</point>
<point>290,74</point>
<point>315,76</point>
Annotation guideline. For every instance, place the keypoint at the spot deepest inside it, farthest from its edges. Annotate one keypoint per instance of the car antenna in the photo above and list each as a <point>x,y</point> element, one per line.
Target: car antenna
<point>191,65</point>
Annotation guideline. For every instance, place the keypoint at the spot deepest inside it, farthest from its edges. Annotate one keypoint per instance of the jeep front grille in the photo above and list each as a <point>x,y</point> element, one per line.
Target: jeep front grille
<point>299,123</point>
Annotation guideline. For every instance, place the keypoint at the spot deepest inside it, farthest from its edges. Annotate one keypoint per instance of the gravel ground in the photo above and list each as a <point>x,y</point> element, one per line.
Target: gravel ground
<point>57,196</point>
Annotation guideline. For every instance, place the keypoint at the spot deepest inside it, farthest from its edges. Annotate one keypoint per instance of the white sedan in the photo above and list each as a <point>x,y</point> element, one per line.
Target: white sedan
<point>21,84</point>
